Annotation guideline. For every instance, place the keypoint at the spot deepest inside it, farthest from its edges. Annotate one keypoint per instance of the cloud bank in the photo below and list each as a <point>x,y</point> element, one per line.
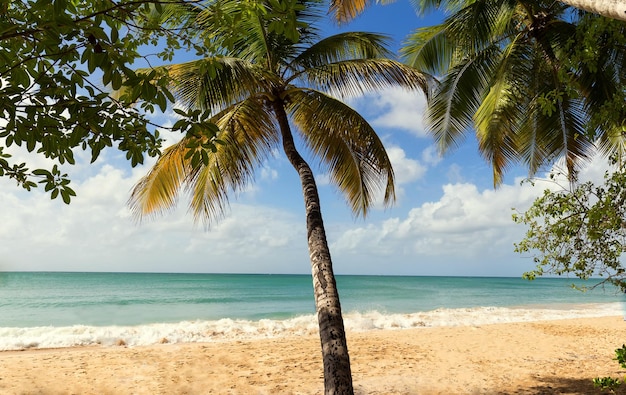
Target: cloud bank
<point>460,230</point>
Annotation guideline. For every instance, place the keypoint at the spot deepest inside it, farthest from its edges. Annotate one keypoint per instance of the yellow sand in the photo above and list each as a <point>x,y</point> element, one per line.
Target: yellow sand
<point>546,357</point>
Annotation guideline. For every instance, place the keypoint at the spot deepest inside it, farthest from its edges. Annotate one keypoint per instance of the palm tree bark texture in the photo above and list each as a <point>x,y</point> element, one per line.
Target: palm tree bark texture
<point>331,329</point>
<point>615,9</point>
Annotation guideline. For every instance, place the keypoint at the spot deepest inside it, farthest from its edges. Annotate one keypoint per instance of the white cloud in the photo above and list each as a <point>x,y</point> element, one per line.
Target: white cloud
<point>593,170</point>
<point>431,156</point>
<point>454,174</point>
<point>268,173</point>
<point>394,108</point>
<point>249,231</point>
<point>462,231</point>
<point>96,232</point>
<point>463,228</point>
<point>406,170</point>
<point>465,231</point>
<point>322,179</point>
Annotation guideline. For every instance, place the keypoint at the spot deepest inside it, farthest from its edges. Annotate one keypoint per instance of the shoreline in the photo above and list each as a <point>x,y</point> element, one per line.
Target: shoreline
<point>533,357</point>
<point>228,329</point>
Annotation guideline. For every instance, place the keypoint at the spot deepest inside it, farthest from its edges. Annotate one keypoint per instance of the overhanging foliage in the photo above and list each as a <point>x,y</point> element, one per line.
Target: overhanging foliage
<point>59,60</point>
<point>581,231</point>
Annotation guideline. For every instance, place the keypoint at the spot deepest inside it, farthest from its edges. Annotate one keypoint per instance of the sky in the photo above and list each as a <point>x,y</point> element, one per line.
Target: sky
<point>448,219</point>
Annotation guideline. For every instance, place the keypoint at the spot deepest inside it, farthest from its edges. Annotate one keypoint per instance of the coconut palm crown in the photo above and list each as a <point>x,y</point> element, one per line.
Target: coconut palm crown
<point>270,72</point>
<point>515,73</point>
<point>243,85</point>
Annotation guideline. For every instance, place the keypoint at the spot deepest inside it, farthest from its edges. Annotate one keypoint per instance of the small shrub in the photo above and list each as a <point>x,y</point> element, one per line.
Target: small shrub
<point>620,356</point>
<point>609,383</point>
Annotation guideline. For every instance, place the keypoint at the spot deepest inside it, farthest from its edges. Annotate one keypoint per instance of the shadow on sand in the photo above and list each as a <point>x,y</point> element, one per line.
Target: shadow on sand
<point>560,385</point>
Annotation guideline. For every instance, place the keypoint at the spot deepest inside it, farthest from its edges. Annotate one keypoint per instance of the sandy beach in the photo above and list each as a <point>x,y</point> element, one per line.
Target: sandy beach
<point>544,357</point>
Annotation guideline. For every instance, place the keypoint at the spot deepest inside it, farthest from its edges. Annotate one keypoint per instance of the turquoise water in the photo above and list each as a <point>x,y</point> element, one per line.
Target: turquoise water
<point>61,299</point>
<point>65,309</point>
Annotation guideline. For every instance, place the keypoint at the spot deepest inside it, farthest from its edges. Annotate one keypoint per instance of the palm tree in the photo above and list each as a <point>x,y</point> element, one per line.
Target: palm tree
<point>259,86</point>
<point>509,76</point>
<point>345,10</point>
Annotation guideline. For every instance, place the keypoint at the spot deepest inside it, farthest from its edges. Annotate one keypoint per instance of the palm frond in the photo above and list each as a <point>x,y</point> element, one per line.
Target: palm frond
<point>341,47</point>
<point>529,72</point>
<point>354,77</point>
<point>429,49</point>
<point>257,31</point>
<point>345,10</point>
<point>512,70</point>
<point>612,141</point>
<point>600,78</point>
<point>455,101</point>
<point>531,150</point>
<point>572,120</point>
<point>448,6</point>
<point>347,145</point>
<point>233,27</point>
<point>495,122</point>
<point>216,83</point>
<point>562,133</point>
<point>248,134</point>
<point>178,14</point>
<point>158,191</point>
<point>476,26</point>
<point>499,116</point>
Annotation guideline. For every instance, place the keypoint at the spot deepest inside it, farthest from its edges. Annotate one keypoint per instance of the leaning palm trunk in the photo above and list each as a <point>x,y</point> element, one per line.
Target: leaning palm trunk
<point>337,374</point>
<point>615,9</point>
<point>345,10</point>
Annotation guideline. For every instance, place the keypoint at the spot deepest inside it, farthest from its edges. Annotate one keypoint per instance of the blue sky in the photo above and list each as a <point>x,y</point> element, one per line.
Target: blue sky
<point>448,219</point>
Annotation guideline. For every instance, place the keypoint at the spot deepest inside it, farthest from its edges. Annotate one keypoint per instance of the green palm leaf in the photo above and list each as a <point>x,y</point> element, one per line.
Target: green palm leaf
<point>496,126</point>
<point>532,151</point>
<point>216,83</point>
<point>347,145</point>
<point>457,98</point>
<point>248,134</point>
<point>355,77</point>
<point>343,46</point>
<point>429,49</point>
<point>572,143</point>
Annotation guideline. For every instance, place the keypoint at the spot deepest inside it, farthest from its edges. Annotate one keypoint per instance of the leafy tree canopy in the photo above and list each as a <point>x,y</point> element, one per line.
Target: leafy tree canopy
<point>59,60</point>
<point>580,230</point>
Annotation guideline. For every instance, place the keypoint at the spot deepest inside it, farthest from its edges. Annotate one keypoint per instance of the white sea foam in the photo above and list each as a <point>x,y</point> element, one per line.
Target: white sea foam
<point>229,329</point>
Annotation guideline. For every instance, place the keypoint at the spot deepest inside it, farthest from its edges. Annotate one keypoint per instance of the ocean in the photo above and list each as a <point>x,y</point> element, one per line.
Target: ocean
<point>58,309</point>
